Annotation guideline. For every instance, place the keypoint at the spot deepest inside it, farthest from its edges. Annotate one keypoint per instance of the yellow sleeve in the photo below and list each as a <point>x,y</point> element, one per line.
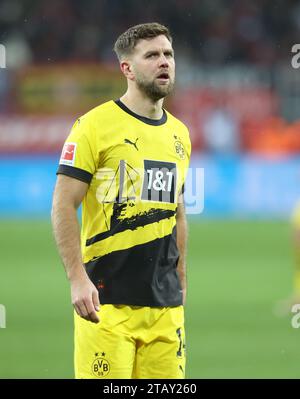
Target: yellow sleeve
<point>78,157</point>
<point>187,145</point>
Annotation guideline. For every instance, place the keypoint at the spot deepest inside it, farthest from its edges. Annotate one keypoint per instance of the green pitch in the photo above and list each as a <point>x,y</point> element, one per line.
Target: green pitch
<point>237,272</point>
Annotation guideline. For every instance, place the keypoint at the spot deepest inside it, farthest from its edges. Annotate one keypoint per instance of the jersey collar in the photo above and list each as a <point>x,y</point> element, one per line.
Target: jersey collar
<point>153,122</point>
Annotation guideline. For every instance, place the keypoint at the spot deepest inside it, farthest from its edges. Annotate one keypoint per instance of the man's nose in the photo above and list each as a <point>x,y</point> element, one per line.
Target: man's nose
<point>163,62</point>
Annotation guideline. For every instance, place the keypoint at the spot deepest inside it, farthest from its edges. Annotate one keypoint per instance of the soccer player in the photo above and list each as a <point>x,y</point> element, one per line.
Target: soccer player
<point>126,162</point>
<point>296,242</point>
<point>284,306</point>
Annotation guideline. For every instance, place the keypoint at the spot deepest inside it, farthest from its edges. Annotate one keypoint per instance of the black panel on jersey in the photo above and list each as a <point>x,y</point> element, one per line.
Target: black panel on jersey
<point>77,173</point>
<point>143,275</point>
<point>118,225</point>
<point>149,121</point>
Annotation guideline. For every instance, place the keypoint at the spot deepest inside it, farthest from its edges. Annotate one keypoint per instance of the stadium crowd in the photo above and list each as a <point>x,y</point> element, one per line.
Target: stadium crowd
<point>221,34</point>
<point>210,31</point>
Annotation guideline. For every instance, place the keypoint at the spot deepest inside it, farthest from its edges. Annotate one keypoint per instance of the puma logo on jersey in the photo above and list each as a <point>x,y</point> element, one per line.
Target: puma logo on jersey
<point>127,141</point>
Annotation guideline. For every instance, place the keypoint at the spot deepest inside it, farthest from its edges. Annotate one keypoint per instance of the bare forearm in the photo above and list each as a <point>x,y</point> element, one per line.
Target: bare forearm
<point>181,267</point>
<point>182,231</point>
<point>67,235</point>
<point>68,195</point>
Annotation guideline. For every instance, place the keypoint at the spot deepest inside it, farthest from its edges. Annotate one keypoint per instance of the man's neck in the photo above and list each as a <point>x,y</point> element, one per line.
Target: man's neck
<point>142,105</point>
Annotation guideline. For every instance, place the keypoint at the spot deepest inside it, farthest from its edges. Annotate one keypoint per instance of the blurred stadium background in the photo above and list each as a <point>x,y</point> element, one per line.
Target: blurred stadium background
<point>238,93</point>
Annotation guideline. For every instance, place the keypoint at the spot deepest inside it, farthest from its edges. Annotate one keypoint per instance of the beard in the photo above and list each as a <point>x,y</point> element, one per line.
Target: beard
<point>152,89</point>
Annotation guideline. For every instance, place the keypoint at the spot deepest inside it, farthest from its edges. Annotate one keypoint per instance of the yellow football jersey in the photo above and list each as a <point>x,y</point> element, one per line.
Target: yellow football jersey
<point>135,168</point>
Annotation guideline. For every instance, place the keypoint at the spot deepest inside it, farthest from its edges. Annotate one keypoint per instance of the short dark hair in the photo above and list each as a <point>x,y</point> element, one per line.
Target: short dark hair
<point>127,41</point>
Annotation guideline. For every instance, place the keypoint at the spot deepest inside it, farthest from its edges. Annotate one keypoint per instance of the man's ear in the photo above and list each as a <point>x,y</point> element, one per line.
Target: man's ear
<point>126,68</point>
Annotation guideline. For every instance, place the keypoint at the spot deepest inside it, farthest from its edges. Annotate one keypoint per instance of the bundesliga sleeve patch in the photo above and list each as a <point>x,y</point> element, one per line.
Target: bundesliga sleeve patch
<point>68,154</point>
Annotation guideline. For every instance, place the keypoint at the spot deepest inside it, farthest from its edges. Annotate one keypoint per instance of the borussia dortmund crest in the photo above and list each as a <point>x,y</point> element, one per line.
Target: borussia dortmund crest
<point>100,366</point>
<point>179,149</point>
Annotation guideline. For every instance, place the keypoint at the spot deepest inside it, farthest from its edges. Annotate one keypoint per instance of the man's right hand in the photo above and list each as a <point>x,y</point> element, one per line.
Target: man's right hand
<point>85,298</point>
